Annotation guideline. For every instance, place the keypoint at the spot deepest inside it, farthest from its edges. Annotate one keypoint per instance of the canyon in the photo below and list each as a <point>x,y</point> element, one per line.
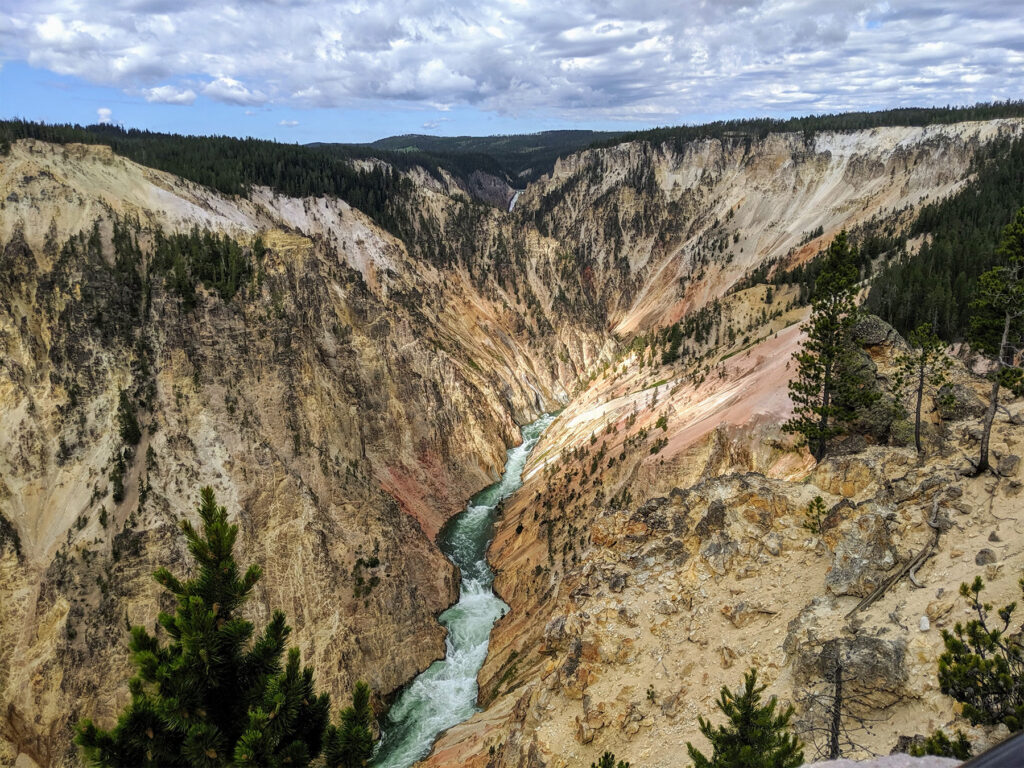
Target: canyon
<point>359,389</point>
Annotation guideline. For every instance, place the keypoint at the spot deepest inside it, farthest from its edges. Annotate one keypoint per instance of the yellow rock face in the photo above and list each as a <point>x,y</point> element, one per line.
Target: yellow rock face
<point>351,398</point>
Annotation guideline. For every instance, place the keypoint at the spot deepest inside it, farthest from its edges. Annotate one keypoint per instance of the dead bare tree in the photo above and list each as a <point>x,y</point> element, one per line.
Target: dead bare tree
<point>835,719</point>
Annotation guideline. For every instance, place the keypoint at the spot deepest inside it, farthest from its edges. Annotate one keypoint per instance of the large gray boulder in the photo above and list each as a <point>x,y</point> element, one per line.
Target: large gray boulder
<point>958,401</point>
<point>873,331</point>
<point>862,556</point>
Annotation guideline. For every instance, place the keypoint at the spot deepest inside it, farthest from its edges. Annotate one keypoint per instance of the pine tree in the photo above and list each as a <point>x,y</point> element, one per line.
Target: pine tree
<point>828,392</point>
<point>128,422</point>
<point>756,737</point>
<point>924,367</point>
<point>213,695</point>
<point>351,744</point>
<point>608,761</point>
<point>983,666</point>
<point>997,325</point>
<point>815,518</point>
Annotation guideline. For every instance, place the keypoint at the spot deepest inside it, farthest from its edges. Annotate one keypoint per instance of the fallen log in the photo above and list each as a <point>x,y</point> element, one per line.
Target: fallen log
<point>909,568</point>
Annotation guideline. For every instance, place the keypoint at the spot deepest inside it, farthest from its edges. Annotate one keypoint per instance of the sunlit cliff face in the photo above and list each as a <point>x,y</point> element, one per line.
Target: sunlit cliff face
<point>353,399</point>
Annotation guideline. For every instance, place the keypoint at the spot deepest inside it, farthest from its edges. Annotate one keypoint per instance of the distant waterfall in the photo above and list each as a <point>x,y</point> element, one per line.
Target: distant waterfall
<point>512,202</point>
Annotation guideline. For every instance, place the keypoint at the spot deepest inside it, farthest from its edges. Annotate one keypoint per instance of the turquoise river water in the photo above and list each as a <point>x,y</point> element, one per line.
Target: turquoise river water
<point>445,693</point>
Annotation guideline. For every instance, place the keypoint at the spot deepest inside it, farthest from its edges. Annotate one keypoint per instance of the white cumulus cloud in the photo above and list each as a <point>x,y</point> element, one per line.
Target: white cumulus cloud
<point>169,94</point>
<point>231,91</point>
<point>655,61</point>
<point>103,115</point>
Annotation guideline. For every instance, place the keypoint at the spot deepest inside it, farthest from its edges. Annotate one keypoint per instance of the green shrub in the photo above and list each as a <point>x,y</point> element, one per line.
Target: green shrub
<point>939,744</point>
<point>983,666</point>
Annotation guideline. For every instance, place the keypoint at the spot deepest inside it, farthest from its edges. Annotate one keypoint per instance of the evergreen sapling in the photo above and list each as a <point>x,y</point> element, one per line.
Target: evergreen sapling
<point>755,736</point>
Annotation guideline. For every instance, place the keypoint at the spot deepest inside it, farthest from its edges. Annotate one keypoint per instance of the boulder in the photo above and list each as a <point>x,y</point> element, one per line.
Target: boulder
<point>874,669</point>
<point>848,445</point>
<point>873,331</point>
<point>1008,465</point>
<point>804,629</point>
<point>863,553</point>
<point>743,613</point>
<point>957,401</point>
<point>985,557</point>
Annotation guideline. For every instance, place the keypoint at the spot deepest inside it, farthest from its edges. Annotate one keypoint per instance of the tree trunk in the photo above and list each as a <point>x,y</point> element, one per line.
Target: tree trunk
<point>990,414</point>
<point>826,399</point>
<point>837,714</point>
<point>917,413</point>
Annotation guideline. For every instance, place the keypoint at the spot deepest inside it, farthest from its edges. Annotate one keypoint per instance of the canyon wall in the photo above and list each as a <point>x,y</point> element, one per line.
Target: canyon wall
<point>638,591</point>
<point>343,405</point>
<point>358,389</point>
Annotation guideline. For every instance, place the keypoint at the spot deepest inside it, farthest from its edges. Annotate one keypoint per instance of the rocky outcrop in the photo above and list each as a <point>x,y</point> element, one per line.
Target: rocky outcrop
<point>343,405</point>
<point>358,389</point>
<point>863,554</point>
<point>628,615</point>
<point>958,401</point>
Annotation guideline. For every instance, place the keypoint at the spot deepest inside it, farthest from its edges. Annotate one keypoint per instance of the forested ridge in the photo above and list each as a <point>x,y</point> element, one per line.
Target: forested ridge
<point>524,157</point>
<point>960,232</point>
<point>809,125</point>
<point>233,166</point>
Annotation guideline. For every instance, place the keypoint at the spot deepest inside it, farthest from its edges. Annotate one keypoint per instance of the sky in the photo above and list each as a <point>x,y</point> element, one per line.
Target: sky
<point>320,70</point>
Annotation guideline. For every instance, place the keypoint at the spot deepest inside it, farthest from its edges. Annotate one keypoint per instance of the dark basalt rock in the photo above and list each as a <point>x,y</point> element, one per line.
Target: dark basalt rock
<point>957,401</point>
<point>873,331</point>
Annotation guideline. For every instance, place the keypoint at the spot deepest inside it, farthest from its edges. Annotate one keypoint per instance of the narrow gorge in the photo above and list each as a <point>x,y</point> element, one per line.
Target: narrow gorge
<point>446,693</point>
<point>347,373</point>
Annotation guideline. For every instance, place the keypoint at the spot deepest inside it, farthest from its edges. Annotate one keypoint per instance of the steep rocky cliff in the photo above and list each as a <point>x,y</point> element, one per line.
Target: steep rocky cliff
<point>357,389</point>
<point>343,404</point>
<point>637,593</point>
<point>656,230</point>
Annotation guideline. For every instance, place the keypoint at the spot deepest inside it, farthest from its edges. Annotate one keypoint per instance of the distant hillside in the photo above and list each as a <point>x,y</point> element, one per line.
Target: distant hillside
<point>759,127</point>
<point>232,165</point>
<point>524,157</point>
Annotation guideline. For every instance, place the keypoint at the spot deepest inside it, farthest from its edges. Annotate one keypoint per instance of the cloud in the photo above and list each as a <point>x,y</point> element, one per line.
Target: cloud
<point>231,91</point>
<point>433,125</point>
<point>103,115</point>
<point>289,123</point>
<point>655,61</point>
<point>169,94</point>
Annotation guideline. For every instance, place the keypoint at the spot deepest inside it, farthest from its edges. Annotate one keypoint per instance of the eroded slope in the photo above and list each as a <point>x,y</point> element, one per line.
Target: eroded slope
<point>358,389</point>
<point>343,404</point>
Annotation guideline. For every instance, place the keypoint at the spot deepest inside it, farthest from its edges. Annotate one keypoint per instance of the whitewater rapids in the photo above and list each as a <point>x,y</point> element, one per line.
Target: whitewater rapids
<point>445,694</point>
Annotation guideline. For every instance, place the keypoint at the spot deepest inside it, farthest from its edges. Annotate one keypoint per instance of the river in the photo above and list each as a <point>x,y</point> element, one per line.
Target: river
<point>445,693</point>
